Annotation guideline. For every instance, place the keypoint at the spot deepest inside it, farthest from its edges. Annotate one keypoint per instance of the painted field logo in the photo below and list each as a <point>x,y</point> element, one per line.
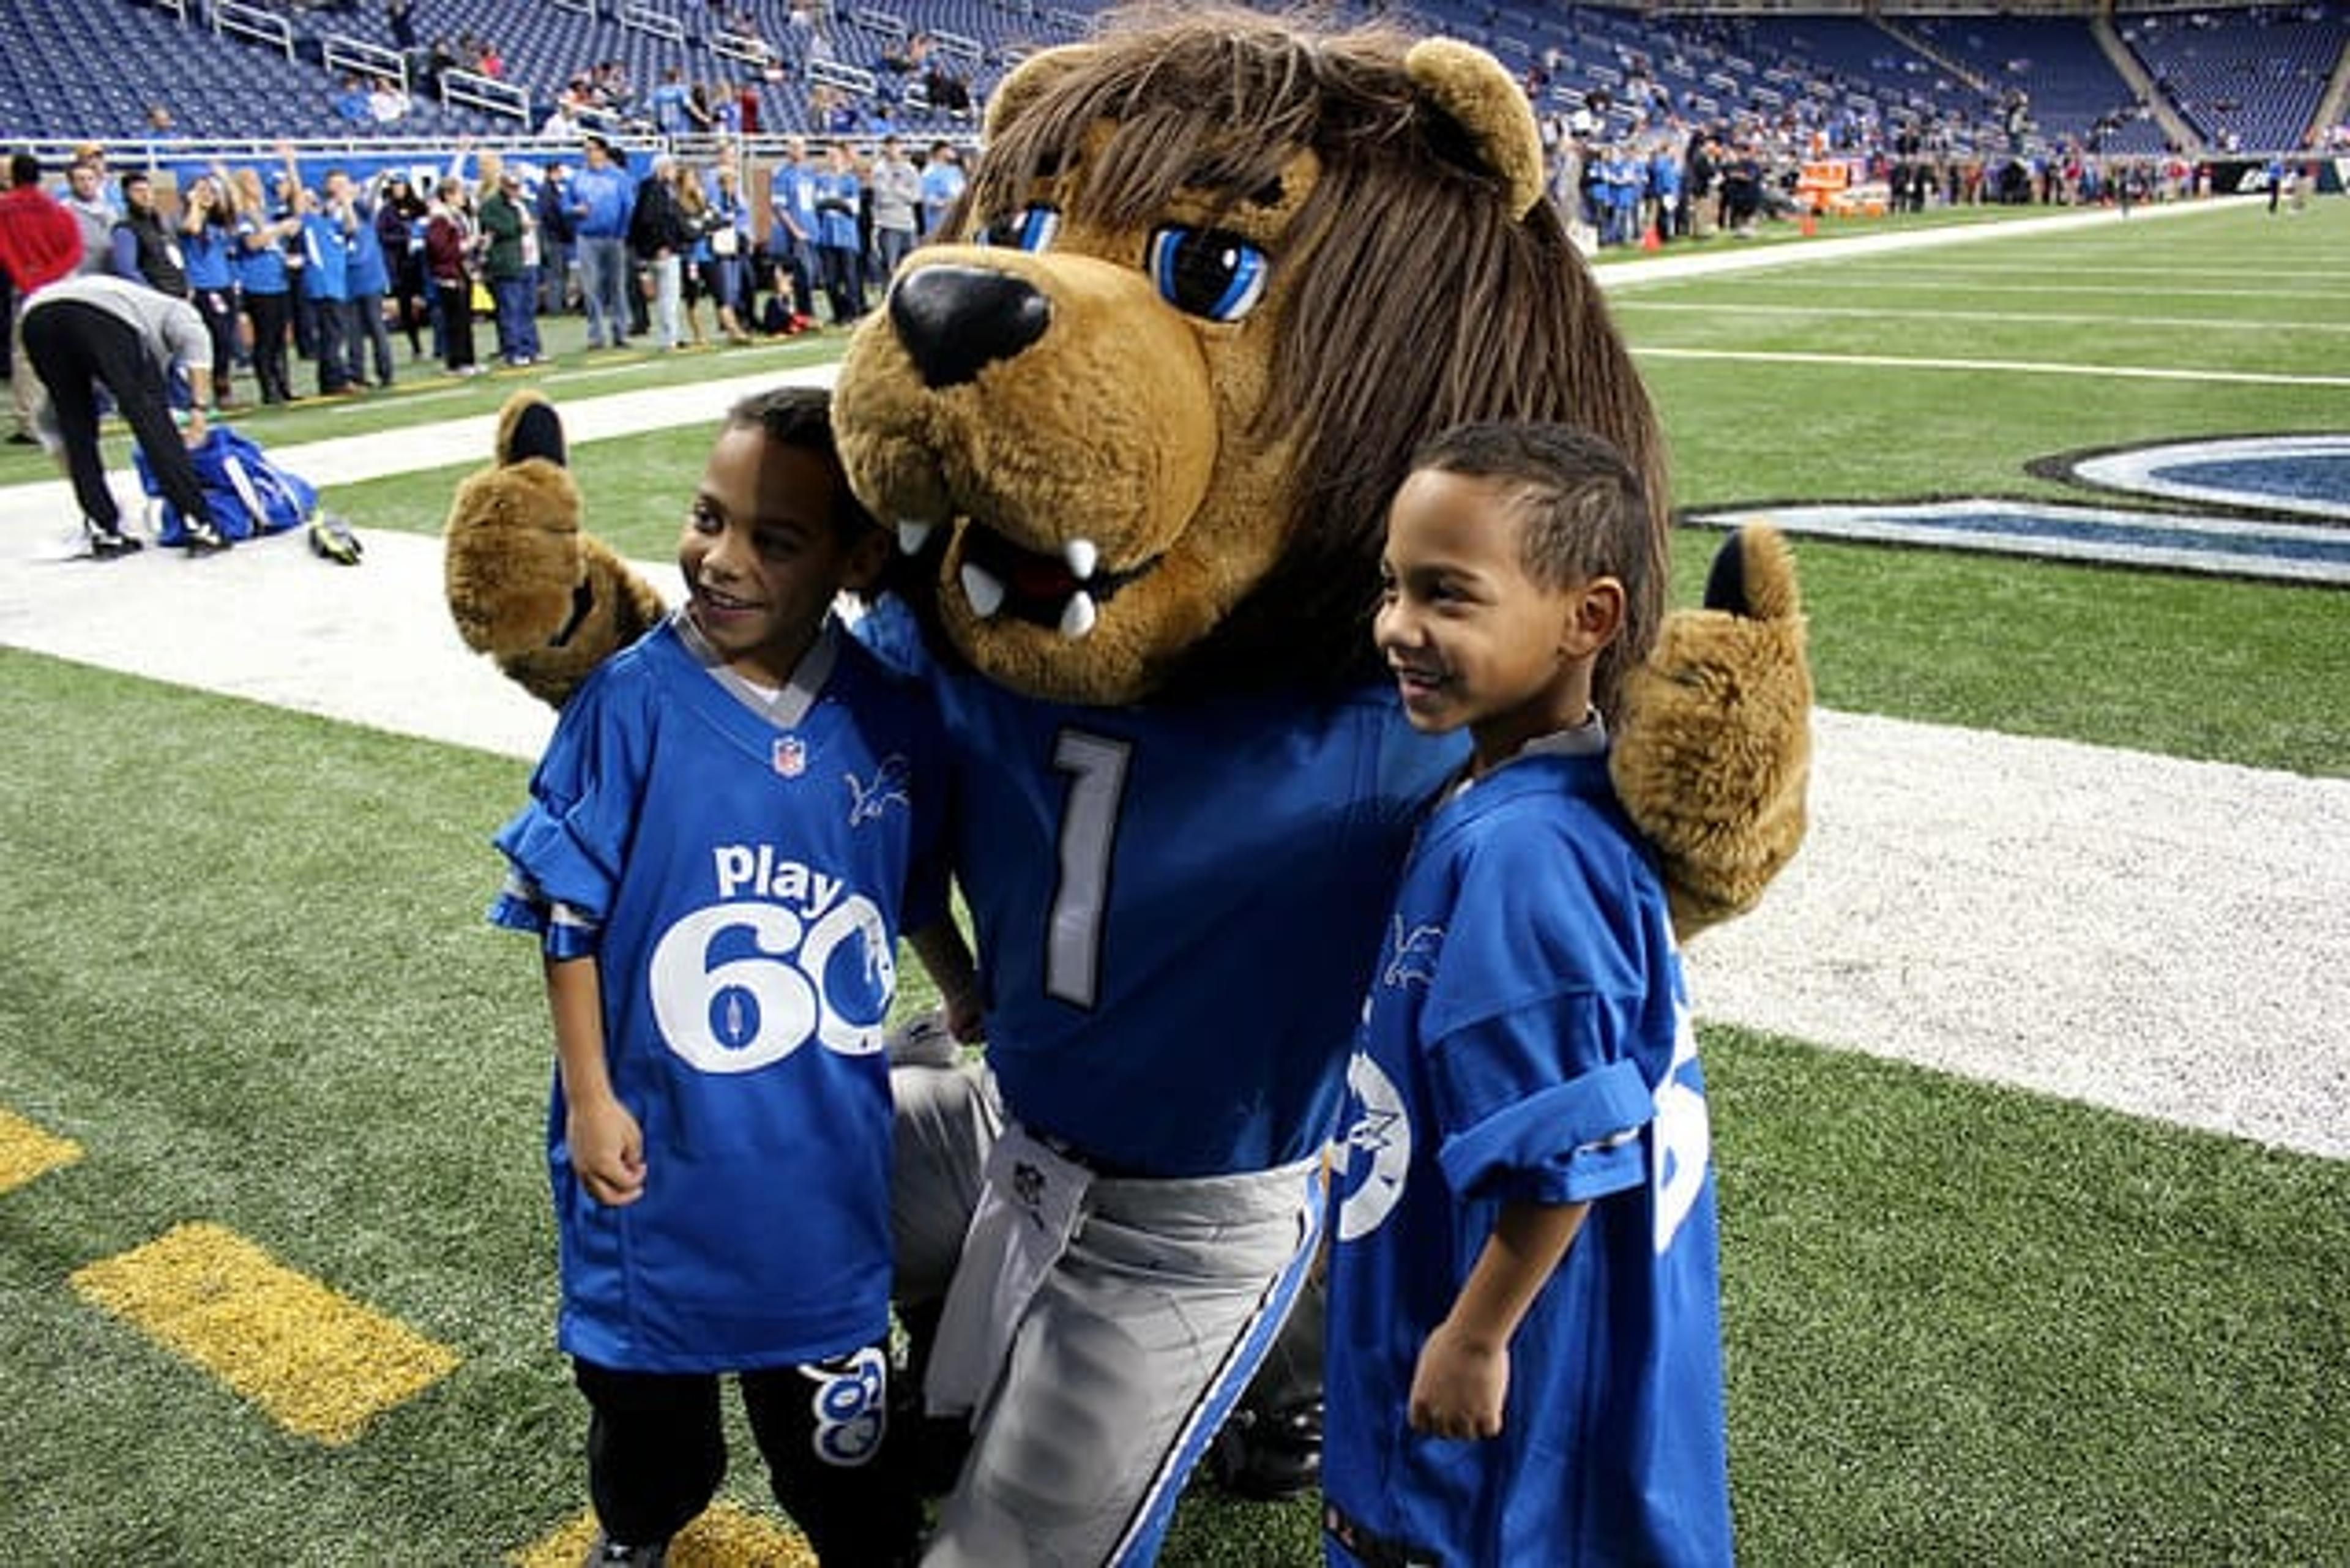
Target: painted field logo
<point>2279,509</point>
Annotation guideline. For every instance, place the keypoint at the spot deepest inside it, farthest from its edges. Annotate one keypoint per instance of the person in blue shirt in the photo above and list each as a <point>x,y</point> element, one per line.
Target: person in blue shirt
<point>840,248</point>
<point>264,282</point>
<point>667,102</point>
<point>602,198</point>
<point>327,283</point>
<point>943,185</point>
<point>735,820</point>
<point>1524,1350</point>
<point>208,247</point>
<point>369,277</point>
<point>792,233</point>
<point>349,101</point>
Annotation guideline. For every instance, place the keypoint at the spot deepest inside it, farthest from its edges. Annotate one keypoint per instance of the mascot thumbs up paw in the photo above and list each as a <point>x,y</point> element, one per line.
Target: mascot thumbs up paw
<point>525,584</point>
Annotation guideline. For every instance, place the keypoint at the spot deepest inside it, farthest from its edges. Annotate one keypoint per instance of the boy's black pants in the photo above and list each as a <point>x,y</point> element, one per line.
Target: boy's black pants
<point>656,1451</point>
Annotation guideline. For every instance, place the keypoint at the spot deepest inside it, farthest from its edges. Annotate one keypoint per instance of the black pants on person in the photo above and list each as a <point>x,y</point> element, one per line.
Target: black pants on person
<point>330,320</point>
<point>656,1451</point>
<point>457,322</point>
<point>272,317</point>
<point>76,347</point>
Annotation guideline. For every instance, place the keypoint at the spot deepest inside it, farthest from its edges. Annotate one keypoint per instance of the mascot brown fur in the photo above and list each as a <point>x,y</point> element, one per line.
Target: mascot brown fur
<point>1137,419</point>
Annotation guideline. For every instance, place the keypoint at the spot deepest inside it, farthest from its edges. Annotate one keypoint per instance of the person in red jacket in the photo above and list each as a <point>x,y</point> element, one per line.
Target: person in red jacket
<point>39,243</point>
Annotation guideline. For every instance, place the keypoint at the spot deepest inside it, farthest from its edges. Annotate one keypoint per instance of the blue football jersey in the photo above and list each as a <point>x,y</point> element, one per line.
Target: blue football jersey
<point>1177,905</point>
<point>1527,1039</point>
<point>741,878</point>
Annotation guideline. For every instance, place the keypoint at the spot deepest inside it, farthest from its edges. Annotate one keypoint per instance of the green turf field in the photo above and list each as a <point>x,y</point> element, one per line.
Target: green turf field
<point>244,981</point>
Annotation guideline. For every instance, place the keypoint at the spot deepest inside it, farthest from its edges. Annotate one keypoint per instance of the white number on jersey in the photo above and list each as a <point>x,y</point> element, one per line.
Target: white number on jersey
<point>740,1015</point>
<point>1684,1135</point>
<point>1096,768</point>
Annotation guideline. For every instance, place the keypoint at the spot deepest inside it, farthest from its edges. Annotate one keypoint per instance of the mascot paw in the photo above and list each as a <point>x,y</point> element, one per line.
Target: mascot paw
<point>1714,752</point>
<point>525,586</point>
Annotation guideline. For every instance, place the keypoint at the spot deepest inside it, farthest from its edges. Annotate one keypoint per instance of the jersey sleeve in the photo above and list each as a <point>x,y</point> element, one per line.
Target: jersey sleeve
<point>1529,1032</point>
<point>564,848</point>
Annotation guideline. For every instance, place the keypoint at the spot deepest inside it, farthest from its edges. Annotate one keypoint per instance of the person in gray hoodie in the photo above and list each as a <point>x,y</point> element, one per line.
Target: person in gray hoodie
<point>897,196</point>
<point>84,332</point>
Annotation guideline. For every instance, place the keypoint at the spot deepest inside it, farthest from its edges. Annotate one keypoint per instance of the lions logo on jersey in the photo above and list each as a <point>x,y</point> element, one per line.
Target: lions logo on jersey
<point>890,785</point>
<point>1375,1155</point>
<point>1412,955</point>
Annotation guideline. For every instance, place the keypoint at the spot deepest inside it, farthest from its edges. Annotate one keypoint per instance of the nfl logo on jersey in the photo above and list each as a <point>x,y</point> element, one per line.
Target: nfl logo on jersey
<point>791,756</point>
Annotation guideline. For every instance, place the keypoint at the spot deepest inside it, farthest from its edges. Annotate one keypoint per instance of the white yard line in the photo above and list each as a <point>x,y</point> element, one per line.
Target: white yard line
<point>2161,937</point>
<point>1993,366</point>
<point>1907,316</point>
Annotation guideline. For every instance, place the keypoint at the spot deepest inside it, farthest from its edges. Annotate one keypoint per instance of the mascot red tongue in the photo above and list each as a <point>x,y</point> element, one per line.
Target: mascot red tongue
<point>1137,417</point>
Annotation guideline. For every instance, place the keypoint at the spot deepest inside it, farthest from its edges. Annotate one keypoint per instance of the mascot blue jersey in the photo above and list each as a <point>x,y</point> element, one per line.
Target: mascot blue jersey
<point>741,878</point>
<point>1176,906</point>
<point>1528,1040</point>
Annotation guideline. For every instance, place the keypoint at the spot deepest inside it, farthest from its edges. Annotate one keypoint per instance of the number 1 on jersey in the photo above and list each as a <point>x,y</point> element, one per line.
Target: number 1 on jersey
<point>1096,768</point>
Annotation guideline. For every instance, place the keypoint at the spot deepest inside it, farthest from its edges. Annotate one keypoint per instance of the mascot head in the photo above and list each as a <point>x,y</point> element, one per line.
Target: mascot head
<point>1215,279</point>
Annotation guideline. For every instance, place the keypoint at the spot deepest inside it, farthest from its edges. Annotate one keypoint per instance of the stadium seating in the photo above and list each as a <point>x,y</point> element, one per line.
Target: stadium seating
<point>2074,89</point>
<point>71,69</point>
<point>2253,80</point>
<point>89,69</point>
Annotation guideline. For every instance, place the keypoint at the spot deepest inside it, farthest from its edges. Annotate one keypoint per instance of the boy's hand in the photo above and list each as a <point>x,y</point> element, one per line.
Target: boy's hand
<point>1459,1385</point>
<point>607,1151</point>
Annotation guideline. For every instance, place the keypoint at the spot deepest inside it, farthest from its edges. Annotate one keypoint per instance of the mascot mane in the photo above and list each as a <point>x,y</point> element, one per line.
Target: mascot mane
<point>1436,286</point>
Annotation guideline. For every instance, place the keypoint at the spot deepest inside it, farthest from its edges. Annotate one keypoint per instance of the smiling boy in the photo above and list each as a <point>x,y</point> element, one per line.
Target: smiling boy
<point>1525,1347</point>
<point>734,822</point>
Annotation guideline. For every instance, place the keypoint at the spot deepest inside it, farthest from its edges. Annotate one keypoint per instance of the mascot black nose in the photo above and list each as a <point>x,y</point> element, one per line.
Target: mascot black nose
<point>955,321</point>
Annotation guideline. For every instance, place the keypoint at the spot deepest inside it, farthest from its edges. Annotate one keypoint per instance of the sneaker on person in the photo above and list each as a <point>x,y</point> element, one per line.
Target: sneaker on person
<point>200,538</point>
<point>1267,1456</point>
<point>607,1552</point>
<point>106,543</point>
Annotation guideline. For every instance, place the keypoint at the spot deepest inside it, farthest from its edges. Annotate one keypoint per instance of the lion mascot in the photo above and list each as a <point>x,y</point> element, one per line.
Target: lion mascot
<point>1136,416</point>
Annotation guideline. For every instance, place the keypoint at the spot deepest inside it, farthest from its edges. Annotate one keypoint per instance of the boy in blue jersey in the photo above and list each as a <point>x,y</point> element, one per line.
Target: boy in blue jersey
<point>733,822</point>
<point>1524,1345</point>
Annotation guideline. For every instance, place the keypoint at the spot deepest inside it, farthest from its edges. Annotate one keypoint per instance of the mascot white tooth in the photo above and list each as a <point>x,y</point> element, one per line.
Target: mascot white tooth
<point>1139,416</point>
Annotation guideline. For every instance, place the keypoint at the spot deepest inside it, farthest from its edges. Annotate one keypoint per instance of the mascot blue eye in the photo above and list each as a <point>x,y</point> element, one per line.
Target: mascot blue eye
<point>1030,229</point>
<point>1207,272</point>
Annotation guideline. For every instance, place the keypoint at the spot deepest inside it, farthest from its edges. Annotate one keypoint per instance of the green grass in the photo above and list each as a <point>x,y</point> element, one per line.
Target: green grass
<point>1962,1321</point>
<point>243,963</point>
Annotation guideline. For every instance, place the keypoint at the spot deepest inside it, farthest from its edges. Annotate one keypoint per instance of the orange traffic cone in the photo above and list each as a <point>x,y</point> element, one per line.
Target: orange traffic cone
<point>1649,242</point>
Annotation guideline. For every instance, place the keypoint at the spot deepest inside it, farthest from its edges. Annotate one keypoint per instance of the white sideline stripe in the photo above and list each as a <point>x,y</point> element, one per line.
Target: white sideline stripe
<point>2045,257</point>
<point>1849,282</point>
<point>1668,267</point>
<point>2161,937</point>
<point>1993,366</point>
<point>1745,308</point>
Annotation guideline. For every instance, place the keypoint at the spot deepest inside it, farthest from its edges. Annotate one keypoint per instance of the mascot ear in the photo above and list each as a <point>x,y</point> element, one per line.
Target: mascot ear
<point>527,428</point>
<point>1026,82</point>
<point>1713,753</point>
<point>1469,88</point>
<point>523,583</point>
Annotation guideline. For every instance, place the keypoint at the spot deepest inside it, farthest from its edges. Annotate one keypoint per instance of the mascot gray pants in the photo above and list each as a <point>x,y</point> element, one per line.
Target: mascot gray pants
<point>1098,1329</point>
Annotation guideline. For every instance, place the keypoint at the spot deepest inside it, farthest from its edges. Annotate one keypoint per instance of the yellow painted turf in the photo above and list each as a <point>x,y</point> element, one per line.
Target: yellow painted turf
<point>26,1151</point>
<point>726,1537</point>
<point>320,1364</point>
